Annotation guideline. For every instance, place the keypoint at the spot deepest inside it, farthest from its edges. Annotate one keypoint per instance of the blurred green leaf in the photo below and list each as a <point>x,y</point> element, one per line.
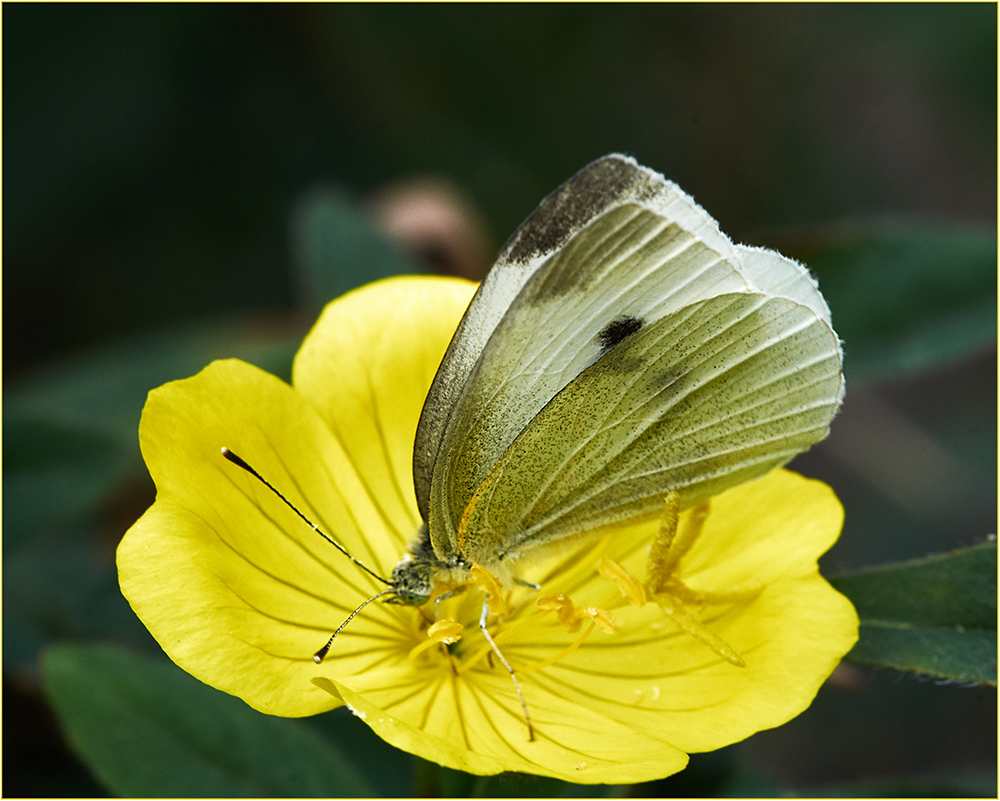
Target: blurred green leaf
<point>951,784</point>
<point>148,729</point>
<point>71,449</point>
<point>936,616</point>
<point>63,586</point>
<point>71,430</point>
<point>435,781</point>
<point>53,473</point>
<point>907,297</point>
<point>713,774</point>
<point>336,248</point>
<point>104,389</point>
<point>394,776</point>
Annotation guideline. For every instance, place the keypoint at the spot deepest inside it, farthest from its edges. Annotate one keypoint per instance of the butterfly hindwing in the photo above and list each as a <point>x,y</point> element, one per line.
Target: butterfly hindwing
<point>703,399</point>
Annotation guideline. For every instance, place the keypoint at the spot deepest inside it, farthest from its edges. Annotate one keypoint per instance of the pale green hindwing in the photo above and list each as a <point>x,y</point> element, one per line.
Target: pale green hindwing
<point>608,275</point>
<point>706,398</point>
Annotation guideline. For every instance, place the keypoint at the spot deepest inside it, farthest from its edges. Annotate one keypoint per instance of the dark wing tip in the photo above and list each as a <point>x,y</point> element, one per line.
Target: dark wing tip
<point>602,184</point>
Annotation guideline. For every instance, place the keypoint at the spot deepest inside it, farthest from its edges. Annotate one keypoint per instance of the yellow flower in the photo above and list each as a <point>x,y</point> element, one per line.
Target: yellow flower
<point>621,678</point>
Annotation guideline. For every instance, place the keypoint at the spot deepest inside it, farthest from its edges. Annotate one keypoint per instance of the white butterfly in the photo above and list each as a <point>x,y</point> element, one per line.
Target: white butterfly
<point>620,347</point>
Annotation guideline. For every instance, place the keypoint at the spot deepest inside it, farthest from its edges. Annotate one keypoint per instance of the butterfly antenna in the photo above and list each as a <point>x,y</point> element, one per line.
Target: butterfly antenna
<point>236,460</point>
<point>322,652</point>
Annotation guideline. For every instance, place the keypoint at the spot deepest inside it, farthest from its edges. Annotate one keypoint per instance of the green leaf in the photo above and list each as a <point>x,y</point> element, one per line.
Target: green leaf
<point>435,781</point>
<point>336,248</point>
<point>389,769</point>
<point>951,784</point>
<point>907,297</point>
<point>936,616</point>
<point>103,390</point>
<point>53,473</point>
<point>71,428</point>
<point>146,728</point>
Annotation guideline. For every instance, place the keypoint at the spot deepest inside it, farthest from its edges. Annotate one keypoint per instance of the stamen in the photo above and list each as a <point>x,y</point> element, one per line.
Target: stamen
<point>662,559</point>
<point>420,648</point>
<point>666,588</point>
<point>490,584</point>
<point>671,606</point>
<point>443,632</point>
<point>564,609</point>
<point>572,617</point>
<point>681,591</point>
<point>446,631</point>
<point>600,617</point>
<point>563,653</point>
<point>670,544</point>
<point>630,587</point>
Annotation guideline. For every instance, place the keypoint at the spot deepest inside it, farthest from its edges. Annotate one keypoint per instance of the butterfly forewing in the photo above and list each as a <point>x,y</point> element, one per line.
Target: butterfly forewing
<point>703,399</point>
<point>626,270</point>
<point>595,191</point>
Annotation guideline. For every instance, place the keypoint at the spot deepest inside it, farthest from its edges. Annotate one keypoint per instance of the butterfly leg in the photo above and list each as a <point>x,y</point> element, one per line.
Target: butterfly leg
<point>444,597</point>
<point>510,670</point>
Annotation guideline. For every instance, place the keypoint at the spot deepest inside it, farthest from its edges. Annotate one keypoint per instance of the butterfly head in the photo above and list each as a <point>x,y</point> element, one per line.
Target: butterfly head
<point>421,572</point>
<point>412,581</point>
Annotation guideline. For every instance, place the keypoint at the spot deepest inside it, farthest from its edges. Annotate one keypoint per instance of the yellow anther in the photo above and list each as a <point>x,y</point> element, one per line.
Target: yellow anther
<point>490,584</point>
<point>571,617</point>
<point>629,586</point>
<point>562,606</point>
<point>445,631</point>
<point>599,616</point>
<point>687,623</point>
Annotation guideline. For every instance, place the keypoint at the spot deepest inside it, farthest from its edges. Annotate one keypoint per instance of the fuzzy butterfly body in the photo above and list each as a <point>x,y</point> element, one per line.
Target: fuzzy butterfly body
<point>620,348</point>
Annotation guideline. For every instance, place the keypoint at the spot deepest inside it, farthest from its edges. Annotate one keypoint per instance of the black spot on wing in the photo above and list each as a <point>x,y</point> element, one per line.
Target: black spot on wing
<point>617,331</point>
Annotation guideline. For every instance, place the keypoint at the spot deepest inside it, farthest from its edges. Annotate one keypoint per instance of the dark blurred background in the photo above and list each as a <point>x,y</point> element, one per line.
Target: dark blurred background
<point>163,165</point>
<point>153,153</point>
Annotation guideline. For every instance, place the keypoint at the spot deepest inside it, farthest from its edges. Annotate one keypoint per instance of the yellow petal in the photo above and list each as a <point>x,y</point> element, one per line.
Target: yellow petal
<point>234,586</point>
<point>480,735</point>
<point>779,525</point>
<point>367,365</point>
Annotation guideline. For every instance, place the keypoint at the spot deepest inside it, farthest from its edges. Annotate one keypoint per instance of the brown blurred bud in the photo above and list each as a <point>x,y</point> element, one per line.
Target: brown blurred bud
<point>436,223</point>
